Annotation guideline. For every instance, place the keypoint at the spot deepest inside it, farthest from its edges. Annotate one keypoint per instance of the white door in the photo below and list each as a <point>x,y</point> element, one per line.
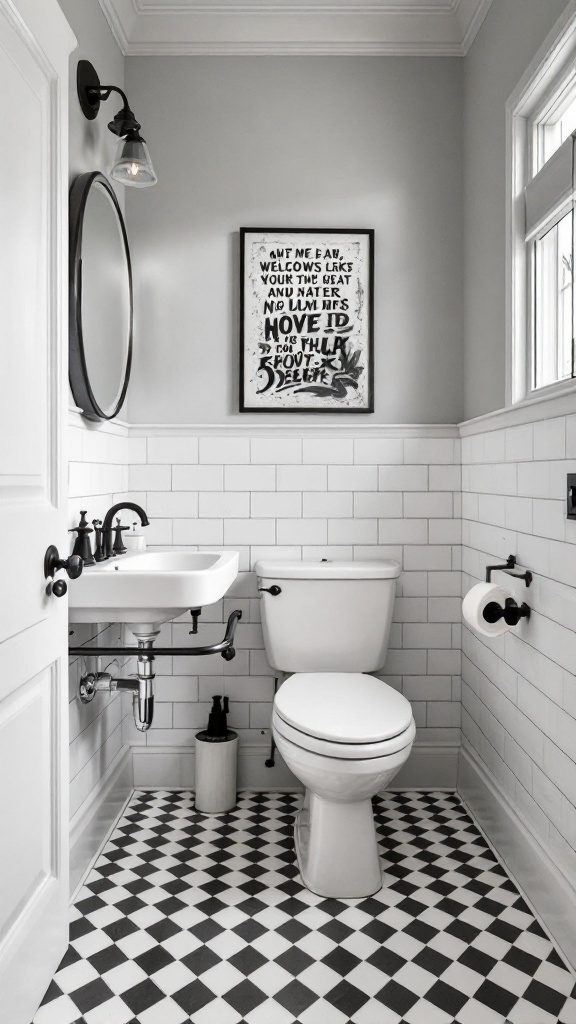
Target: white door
<point>35,43</point>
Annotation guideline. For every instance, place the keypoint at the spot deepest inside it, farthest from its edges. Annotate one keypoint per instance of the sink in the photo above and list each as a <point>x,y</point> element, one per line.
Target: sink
<point>151,587</point>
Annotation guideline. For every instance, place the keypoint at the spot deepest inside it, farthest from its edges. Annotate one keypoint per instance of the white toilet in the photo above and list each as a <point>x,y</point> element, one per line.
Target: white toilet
<point>343,733</point>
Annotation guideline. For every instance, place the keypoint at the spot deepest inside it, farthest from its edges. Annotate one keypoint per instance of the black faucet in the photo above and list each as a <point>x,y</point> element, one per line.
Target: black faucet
<point>107,523</point>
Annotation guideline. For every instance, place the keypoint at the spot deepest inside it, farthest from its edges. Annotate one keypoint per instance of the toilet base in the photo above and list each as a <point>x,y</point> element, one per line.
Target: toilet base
<point>337,849</point>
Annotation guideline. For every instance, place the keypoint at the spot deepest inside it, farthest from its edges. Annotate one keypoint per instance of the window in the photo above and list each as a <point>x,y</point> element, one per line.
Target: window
<point>552,257</point>
<point>555,123</point>
<point>549,239</point>
<point>542,119</point>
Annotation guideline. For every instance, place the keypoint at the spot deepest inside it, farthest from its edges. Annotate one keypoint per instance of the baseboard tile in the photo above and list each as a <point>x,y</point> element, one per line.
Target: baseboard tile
<point>173,768</point>
<point>92,824</point>
<point>428,767</point>
<point>528,861</point>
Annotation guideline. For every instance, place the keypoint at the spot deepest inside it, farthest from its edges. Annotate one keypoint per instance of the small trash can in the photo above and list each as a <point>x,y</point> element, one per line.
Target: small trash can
<point>216,762</point>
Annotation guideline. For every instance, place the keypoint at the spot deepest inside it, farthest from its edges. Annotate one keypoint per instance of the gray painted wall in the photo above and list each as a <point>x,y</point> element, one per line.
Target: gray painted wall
<point>304,142</point>
<point>319,141</point>
<point>509,38</point>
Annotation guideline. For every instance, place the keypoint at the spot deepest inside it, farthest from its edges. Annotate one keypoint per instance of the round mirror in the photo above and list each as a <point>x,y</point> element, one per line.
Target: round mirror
<point>101,306</point>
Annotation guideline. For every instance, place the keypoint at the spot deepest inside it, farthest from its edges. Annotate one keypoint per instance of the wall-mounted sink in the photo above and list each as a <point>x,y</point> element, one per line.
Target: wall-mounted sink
<point>151,587</point>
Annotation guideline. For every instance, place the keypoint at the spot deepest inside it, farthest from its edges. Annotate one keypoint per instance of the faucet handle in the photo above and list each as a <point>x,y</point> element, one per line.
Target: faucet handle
<point>82,542</point>
<point>119,546</point>
<point>98,553</point>
<point>82,527</point>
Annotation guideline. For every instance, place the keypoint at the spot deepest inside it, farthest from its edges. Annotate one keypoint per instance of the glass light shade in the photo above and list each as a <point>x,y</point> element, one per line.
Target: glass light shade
<point>132,164</point>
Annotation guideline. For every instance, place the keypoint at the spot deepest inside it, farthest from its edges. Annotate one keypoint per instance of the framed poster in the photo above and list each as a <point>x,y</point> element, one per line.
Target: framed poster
<point>306,320</point>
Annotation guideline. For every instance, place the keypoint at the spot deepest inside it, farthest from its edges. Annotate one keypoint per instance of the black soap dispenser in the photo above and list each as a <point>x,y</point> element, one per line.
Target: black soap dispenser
<point>217,731</point>
<point>216,761</point>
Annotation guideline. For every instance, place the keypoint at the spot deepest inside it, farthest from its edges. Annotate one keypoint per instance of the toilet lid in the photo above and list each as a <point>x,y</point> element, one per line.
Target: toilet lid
<point>345,707</point>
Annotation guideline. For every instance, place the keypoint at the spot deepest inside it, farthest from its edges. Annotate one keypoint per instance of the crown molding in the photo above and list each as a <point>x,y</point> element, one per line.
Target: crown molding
<point>470,15</point>
<point>438,28</point>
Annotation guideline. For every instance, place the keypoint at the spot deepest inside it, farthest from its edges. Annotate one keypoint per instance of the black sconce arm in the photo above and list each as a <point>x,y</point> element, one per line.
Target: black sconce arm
<point>91,93</point>
<point>102,92</point>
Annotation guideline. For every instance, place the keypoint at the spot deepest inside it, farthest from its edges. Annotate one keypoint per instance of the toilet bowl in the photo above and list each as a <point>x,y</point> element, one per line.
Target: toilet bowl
<point>343,732</point>
<point>343,759</point>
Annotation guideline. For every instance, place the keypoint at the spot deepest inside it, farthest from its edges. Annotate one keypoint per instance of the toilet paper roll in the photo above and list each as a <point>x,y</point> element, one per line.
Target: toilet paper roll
<point>474,604</point>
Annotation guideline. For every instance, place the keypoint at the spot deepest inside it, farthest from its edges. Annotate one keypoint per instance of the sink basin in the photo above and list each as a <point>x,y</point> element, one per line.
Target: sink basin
<point>151,587</point>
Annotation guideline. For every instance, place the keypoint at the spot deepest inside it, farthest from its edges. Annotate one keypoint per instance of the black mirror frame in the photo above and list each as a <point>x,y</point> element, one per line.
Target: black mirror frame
<point>78,370</point>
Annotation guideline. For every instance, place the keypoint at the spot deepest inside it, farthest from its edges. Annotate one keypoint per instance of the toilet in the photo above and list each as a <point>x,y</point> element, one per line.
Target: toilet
<point>342,732</point>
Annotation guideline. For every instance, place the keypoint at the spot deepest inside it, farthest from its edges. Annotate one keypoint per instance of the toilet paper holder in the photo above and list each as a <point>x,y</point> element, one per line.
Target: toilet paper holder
<point>507,567</point>
<point>511,612</point>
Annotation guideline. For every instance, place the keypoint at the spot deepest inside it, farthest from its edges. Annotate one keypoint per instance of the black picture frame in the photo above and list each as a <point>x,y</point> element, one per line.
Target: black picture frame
<point>302,363</point>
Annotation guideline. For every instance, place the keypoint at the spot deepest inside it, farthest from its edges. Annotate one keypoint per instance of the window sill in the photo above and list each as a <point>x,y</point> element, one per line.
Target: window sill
<point>559,387</point>
<point>548,403</point>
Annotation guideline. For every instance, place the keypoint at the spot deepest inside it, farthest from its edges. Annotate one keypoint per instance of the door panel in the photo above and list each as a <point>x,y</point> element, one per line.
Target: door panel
<point>29,295</point>
<point>35,43</point>
<point>31,854</point>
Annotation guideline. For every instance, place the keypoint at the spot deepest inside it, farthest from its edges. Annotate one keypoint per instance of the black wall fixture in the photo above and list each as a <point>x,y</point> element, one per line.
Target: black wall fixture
<point>511,612</point>
<point>508,566</point>
<point>571,496</point>
<point>132,164</point>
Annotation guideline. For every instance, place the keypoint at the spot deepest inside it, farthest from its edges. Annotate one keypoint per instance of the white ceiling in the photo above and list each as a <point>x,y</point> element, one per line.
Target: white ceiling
<point>361,27</point>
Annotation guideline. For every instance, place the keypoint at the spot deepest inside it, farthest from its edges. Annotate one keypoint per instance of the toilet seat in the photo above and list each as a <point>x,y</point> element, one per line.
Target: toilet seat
<point>345,715</point>
<point>343,751</point>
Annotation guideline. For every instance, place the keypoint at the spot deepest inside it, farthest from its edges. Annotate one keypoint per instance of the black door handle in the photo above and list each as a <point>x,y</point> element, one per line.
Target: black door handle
<point>52,563</point>
<point>274,590</point>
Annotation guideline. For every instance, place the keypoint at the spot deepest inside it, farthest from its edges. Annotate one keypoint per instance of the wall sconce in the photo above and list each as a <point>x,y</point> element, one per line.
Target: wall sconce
<point>132,164</point>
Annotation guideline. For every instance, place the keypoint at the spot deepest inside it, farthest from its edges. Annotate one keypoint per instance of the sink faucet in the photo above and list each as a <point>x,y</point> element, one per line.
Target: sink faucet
<point>107,523</point>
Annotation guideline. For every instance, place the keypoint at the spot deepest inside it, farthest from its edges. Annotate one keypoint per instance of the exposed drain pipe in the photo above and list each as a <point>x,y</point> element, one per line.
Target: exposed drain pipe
<point>142,686</point>
<point>141,689</point>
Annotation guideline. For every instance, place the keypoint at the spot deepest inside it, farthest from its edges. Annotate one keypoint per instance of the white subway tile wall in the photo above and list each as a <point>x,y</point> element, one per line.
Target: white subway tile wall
<point>519,690</point>
<point>303,497</point>
<point>291,497</point>
<point>96,729</point>
<point>98,476</point>
<point>361,497</point>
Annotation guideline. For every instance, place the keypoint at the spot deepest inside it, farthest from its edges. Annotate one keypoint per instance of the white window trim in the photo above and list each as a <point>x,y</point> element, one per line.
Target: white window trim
<point>550,65</point>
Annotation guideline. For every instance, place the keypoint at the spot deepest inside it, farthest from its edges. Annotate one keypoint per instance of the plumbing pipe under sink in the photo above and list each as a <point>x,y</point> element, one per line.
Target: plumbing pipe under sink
<point>141,687</point>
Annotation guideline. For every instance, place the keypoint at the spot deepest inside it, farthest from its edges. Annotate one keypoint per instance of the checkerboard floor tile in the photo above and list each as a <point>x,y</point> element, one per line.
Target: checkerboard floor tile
<point>192,917</point>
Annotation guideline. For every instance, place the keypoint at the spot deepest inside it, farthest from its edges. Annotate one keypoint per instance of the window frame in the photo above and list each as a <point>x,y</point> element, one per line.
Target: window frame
<point>539,89</point>
<point>546,310</point>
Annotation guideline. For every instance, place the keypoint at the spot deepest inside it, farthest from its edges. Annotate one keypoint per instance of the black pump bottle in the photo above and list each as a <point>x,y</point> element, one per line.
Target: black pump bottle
<point>217,731</point>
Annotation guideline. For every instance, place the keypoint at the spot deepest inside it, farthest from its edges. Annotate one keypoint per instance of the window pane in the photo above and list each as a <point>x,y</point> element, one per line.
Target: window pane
<point>554,287</point>
<point>556,124</point>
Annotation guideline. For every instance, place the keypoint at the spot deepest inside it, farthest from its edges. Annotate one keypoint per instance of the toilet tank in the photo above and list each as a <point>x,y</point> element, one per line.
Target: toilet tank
<point>328,616</point>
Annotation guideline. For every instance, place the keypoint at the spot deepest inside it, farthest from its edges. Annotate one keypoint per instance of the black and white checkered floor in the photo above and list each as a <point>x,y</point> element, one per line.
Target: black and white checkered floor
<point>192,917</point>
